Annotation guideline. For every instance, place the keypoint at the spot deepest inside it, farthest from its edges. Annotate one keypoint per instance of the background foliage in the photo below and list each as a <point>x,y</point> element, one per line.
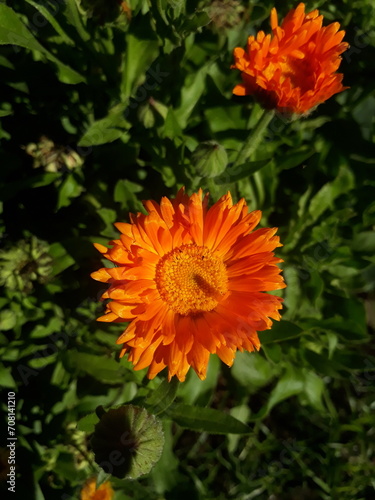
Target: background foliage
<point>103,105</point>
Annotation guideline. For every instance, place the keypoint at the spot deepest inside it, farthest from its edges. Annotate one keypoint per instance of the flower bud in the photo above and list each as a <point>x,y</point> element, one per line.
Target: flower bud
<point>210,159</point>
<point>127,441</point>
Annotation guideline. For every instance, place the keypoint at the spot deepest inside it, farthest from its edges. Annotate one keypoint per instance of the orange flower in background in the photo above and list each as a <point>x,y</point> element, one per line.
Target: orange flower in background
<point>295,69</point>
<point>191,281</point>
<point>89,491</point>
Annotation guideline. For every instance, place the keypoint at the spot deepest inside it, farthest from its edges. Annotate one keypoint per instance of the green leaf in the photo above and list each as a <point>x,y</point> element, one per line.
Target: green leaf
<point>171,128</point>
<point>108,216</point>
<point>4,62</point>
<point>8,319</point>
<point>6,379</point>
<point>163,396</point>
<point>139,55</point>
<point>61,259</point>
<point>295,158</point>
<point>364,242</point>
<point>125,193</point>
<point>313,390</point>
<point>102,478</point>
<point>241,172</point>
<point>98,366</point>
<point>108,129</point>
<point>87,423</point>
<point>55,324</point>
<point>222,118</point>
<point>14,32</point>
<point>325,198</point>
<point>165,473</point>
<point>252,371</point>
<point>194,86</point>
<point>70,188</point>
<point>51,17</point>
<point>280,331</point>
<point>199,391</point>
<point>206,420</point>
<point>5,112</point>
<point>290,384</point>
<point>352,329</point>
<point>196,21</point>
<point>12,188</point>
<point>75,19</point>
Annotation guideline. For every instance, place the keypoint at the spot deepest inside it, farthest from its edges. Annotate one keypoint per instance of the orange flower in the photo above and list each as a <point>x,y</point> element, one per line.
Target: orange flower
<point>89,491</point>
<point>190,281</point>
<point>294,70</point>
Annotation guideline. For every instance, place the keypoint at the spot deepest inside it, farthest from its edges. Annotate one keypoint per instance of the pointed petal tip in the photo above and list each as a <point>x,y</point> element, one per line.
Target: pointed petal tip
<point>101,248</point>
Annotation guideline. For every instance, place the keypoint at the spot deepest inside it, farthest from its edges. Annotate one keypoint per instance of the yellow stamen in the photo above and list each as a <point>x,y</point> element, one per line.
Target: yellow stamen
<point>191,279</point>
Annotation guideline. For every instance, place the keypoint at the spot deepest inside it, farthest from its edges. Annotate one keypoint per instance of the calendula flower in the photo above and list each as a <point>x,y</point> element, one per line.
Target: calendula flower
<point>293,70</point>
<point>191,281</point>
<point>89,491</point>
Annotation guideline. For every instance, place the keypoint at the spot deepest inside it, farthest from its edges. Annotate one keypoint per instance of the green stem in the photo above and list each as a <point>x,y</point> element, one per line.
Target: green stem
<point>212,188</point>
<point>255,136</point>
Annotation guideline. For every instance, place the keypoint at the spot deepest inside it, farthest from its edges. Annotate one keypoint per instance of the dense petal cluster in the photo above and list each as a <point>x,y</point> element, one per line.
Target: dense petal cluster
<point>190,280</point>
<point>293,70</point>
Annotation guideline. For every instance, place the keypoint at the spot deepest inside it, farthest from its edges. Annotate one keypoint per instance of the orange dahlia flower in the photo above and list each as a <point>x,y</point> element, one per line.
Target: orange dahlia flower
<point>89,491</point>
<point>191,281</point>
<point>295,69</point>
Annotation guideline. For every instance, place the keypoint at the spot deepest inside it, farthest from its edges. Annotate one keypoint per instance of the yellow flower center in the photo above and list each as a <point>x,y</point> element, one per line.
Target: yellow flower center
<point>191,279</point>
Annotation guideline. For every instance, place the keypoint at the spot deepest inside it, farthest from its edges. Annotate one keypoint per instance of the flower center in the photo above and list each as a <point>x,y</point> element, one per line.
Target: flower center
<point>300,72</point>
<point>191,279</point>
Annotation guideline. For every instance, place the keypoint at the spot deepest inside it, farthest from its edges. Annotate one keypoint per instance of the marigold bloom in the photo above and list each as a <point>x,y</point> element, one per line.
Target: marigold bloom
<point>89,491</point>
<point>295,69</point>
<point>190,281</point>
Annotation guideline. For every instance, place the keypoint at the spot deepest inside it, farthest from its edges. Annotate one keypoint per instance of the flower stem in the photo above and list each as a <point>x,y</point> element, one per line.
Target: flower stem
<point>255,136</point>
